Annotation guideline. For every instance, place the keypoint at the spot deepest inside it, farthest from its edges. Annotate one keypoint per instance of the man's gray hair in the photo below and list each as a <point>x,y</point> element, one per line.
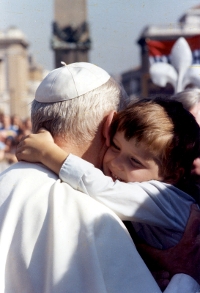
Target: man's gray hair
<point>79,118</point>
<point>189,98</point>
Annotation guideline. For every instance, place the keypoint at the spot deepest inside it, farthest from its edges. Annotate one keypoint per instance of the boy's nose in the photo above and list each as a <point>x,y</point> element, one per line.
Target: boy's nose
<point>117,162</point>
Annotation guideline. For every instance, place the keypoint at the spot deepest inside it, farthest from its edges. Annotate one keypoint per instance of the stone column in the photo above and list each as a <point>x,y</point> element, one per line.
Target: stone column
<point>70,37</point>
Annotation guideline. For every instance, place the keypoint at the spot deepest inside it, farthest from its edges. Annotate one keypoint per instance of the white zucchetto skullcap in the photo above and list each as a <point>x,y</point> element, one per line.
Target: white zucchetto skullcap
<point>70,81</point>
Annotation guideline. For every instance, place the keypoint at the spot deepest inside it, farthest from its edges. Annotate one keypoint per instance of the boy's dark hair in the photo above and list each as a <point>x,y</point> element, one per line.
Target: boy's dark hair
<point>168,131</point>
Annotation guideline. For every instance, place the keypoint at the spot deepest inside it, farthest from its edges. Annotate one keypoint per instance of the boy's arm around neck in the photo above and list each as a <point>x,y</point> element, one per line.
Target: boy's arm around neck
<point>41,148</point>
<point>153,202</point>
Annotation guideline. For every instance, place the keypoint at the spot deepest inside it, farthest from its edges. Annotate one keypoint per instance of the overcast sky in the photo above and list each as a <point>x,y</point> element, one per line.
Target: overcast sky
<point>115,26</point>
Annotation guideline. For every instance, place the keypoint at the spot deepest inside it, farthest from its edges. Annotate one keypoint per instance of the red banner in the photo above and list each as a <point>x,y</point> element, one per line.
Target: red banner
<point>160,48</point>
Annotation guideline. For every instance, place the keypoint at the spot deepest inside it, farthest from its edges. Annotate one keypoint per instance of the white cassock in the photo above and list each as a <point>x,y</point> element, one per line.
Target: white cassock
<point>52,240</point>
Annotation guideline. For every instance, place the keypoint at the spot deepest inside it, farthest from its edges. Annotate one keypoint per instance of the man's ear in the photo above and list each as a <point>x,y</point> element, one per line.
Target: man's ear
<point>106,127</point>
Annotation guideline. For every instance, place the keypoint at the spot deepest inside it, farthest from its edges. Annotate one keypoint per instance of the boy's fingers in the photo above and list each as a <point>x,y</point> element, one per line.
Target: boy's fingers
<point>42,130</point>
<point>20,144</point>
<point>45,134</point>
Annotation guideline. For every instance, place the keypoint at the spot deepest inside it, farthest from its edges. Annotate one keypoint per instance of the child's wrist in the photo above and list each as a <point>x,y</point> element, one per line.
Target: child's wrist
<point>53,157</point>
<point>45,154</point>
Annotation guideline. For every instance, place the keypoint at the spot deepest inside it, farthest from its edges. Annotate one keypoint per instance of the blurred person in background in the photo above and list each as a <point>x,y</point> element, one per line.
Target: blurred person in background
<point>190,99</point>
<point>12,129</point>
<point>17,124</point>
<point>27,126</point>
<point>6,128</point>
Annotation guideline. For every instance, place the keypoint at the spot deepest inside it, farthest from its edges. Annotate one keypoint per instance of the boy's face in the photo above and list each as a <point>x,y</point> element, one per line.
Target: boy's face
<point>129,162</point>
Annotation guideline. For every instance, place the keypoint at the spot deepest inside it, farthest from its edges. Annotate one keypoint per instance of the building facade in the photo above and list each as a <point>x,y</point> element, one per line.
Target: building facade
<point>16,74</point>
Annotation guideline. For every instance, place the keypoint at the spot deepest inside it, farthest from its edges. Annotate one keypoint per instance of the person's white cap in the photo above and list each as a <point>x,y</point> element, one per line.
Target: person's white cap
<point>70,81</point>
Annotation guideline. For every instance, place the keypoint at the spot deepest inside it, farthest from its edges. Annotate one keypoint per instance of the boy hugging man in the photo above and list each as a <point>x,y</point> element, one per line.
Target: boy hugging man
<point>146,168</point>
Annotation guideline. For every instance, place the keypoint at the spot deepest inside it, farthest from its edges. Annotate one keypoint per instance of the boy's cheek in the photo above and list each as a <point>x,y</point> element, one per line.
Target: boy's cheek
<point>108,156</point>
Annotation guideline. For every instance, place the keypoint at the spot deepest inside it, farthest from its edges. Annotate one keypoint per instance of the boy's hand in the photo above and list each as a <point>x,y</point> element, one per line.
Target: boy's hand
<point>33,147</point>
<point>41,148</point>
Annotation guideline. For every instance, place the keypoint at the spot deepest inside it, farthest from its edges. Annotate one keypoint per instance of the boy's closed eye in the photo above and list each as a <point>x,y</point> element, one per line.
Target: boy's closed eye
<point>114,146</point>
<point>136,162</point>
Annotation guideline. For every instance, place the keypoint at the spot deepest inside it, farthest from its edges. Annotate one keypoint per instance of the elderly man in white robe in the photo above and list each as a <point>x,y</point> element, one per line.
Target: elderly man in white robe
<point>53,240</point>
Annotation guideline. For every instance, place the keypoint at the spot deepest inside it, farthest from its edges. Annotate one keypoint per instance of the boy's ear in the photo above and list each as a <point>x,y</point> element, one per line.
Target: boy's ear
<point>106,127</point>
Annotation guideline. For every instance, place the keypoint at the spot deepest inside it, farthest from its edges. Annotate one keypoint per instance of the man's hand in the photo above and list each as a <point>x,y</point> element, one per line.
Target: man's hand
<point>162,278</point>
<point>196,167</point>
<point>182,258</point>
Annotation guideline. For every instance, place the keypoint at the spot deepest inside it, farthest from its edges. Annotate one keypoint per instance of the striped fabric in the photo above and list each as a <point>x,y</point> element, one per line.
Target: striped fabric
<point>159,51</point>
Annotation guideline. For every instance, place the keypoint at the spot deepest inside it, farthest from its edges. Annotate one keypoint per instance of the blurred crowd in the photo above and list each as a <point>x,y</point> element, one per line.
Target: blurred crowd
<point>12,129</point>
